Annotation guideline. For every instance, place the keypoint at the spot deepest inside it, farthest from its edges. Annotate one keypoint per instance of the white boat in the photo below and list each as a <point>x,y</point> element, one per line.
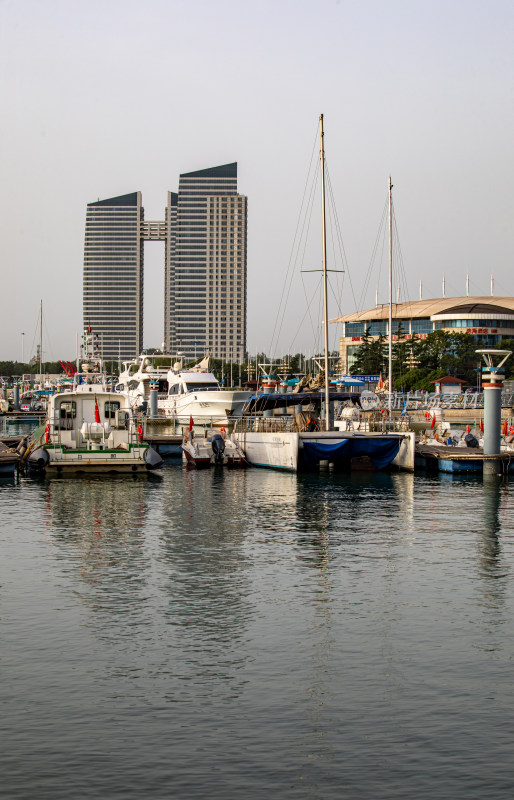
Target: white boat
<point>213,448</point>
<point>139,376</point>
<point>195,392</point>
<point>90,429</point>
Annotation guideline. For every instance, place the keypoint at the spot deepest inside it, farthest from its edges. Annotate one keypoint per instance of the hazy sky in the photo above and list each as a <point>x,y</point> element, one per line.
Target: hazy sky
<point>112,96</point>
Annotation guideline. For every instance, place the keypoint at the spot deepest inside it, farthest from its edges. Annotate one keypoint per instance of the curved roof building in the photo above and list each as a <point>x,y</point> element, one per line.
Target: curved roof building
<point>489,319</point>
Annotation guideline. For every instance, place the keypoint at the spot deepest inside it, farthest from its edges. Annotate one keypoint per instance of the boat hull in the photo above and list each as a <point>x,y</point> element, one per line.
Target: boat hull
<point>297,451</point>
<point>215,406</point>
<point>57,461</point>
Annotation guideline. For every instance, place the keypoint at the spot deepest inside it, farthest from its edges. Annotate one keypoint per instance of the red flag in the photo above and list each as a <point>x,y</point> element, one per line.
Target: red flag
<point>97,413</point>
<point>432,424</point>
<point>380,384</point>
<point>191,423</point>
<point>481,425</point>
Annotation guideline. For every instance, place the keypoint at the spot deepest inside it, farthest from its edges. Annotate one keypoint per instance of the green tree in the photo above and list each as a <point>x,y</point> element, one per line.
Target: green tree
<point>507,344</point>
<point>371,356</point>
<point>452,352</point>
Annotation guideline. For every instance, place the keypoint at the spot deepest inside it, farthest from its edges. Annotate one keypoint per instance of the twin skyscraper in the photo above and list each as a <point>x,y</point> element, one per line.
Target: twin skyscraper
<point>205,265</point>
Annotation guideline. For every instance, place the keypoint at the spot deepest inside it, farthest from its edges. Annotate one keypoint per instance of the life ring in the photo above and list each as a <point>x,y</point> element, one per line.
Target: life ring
<point>140,432</point>
<point>223,432</point>
<point>47,432</point>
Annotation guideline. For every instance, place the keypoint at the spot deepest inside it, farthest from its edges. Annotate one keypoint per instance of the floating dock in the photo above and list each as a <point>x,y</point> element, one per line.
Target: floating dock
<point>458,459</point>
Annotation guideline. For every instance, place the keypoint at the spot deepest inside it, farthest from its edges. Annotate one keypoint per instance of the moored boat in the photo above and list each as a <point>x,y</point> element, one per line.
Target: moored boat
<point>196,392</point>
<point>90,429</point>
<point>212,449</point>
<point>140,376</point>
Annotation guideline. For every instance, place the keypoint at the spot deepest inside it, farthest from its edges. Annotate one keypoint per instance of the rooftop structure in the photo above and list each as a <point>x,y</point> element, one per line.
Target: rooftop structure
<point>489,319</point>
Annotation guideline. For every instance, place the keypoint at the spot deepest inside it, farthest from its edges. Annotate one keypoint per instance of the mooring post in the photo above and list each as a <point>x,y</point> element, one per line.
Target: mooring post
<point>267,388</point>
<point>153,402</point>
<point>492,384</point>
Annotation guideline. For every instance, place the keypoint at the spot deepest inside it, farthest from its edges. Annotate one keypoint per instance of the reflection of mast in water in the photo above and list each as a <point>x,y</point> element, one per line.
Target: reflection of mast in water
<point>316,507</point>
<point>492,569</point>
<point>201,542</point>
<point>489,542</point>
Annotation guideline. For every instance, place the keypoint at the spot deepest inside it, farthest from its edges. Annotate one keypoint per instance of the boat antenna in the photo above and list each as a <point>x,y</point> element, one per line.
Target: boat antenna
<point>390,296</point>
<point>325,297</point>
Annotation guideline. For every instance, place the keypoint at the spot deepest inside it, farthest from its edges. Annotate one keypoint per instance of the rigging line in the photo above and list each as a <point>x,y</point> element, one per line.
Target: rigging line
<point>331,287</point>
<point>344,259</point>
<point>335,324</point>
<point>334,225</point>
<point>334,219</point>
<point>299,218</point>
<point>401,271</point>
<point>378,239</point>
<point>291,274</point>
<point>308,304</point>
<point>49,347</point>
<point>303,257</point>
<point>301,323</point>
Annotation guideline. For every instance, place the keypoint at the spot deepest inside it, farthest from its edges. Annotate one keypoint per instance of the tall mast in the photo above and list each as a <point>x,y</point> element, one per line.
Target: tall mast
<point>390,295</point>
<point>325,298</point>
<point>41,344</point>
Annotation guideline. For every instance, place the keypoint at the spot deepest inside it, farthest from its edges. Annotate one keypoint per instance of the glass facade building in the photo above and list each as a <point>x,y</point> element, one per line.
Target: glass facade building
<point>487,319</point>
<point>113,274</point>
<point>205,310</point>
<point>205,265</point>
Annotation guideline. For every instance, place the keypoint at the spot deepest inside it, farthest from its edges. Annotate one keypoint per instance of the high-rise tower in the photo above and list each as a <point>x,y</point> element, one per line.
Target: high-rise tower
<point>204,268</point>
<point>205,280</point>
<point>113,274</point>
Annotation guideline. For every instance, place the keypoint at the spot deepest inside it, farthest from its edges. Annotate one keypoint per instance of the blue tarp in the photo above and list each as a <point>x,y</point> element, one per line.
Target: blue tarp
<point>381,451</point>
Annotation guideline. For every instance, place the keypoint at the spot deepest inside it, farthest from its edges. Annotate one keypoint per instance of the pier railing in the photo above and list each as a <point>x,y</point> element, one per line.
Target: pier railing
<point>273,424</point>
<point>429,400</point>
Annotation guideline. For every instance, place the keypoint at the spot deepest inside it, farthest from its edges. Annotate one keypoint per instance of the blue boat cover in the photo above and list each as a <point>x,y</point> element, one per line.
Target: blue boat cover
<point>380,451</point>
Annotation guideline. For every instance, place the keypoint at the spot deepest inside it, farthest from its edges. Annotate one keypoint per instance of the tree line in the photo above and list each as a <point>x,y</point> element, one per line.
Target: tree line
<point>418,362</point>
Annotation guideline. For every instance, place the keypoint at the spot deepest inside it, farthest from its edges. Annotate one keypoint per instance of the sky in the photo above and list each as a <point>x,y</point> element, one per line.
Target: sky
<point>109,97</point>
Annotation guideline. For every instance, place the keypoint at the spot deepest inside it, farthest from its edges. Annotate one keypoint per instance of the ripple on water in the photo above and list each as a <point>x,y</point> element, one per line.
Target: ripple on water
<point>251,633</point>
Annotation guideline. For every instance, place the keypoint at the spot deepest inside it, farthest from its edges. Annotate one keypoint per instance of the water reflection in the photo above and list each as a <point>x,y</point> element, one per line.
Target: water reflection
<point>97,524</point>
<point>492,569</point>
<point>207,581</point>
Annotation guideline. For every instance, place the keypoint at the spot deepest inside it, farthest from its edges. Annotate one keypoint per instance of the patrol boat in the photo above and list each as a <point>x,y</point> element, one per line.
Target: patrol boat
<point>90,429</point>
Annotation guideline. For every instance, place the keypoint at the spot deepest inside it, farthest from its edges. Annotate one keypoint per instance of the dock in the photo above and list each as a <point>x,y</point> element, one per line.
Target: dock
<point>167,445</point>
<point>9,460</point>
<point>446,458</point>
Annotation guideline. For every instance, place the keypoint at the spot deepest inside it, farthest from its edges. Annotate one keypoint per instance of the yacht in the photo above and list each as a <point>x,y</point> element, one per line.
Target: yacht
<point>196,392</point>
<point>142,374</point>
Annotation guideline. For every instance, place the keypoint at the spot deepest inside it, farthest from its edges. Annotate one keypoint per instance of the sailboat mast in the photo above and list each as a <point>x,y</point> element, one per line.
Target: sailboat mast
<point>390,295</point>
<point>325,295</point>
<point>41,344</point>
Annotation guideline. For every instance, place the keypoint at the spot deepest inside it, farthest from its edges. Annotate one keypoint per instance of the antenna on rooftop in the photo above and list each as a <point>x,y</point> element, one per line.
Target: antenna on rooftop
<point>421,290</point>
<point>444,287</point>
<point>492,285</point>
<point>467,285</point>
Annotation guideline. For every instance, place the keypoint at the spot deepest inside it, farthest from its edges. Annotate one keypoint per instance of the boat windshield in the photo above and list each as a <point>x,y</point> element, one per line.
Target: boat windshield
<point>200,387</point>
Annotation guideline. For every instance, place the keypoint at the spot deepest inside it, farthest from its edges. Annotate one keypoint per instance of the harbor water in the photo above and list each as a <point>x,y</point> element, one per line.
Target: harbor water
<point>250,634</point>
